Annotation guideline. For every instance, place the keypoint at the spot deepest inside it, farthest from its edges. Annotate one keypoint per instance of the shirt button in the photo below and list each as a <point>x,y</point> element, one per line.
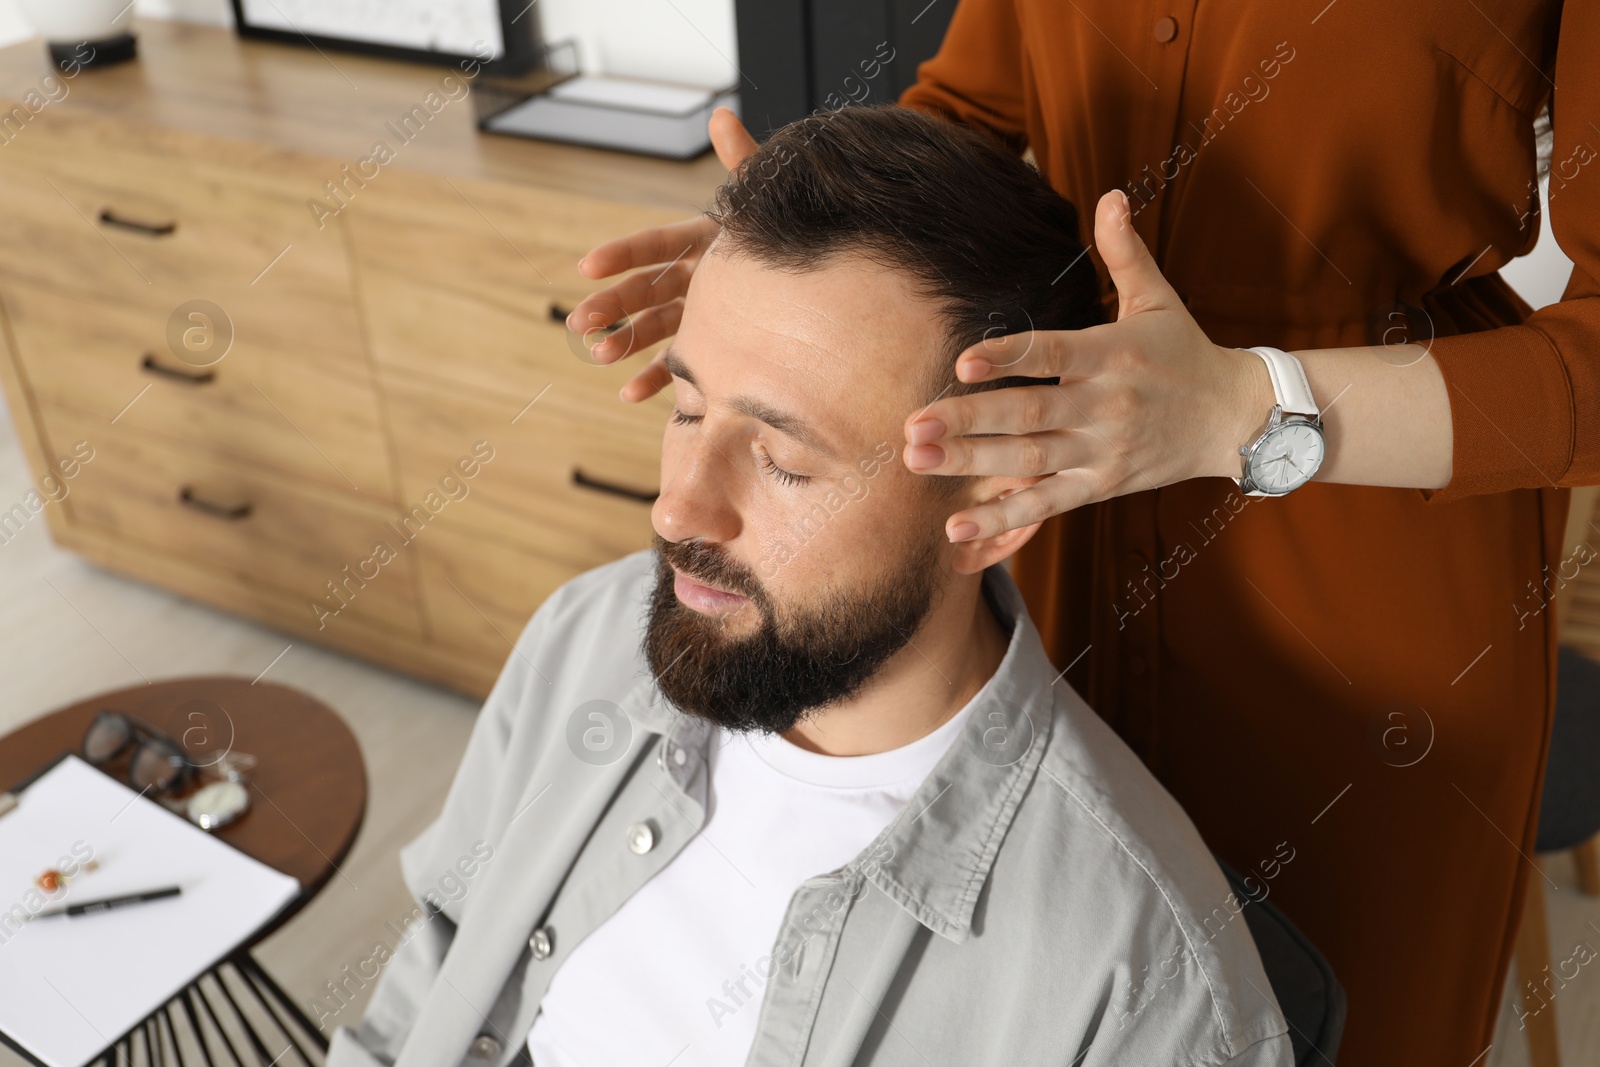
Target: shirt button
<point>484,1048</point>
<point>540,943</point>
<point>641,838</point>
<point>1166,29</point>
<point>679,756</point>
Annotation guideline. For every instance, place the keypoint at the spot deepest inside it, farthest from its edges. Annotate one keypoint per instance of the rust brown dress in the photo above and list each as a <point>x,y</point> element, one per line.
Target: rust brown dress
<point>1363,674</point>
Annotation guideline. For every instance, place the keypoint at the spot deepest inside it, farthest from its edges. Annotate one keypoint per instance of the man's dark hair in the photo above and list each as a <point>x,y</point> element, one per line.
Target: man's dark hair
<point>979,230</point>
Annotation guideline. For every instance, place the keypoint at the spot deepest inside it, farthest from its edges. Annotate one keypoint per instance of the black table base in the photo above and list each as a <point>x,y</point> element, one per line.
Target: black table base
<point>234,1014</point>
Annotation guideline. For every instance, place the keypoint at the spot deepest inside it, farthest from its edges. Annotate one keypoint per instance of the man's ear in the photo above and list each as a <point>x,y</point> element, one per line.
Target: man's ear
<point>972,557</point>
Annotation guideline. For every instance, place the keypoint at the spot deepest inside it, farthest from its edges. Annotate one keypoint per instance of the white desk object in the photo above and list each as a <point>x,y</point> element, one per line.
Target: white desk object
<point>72,986</point>
<point>623,113</point>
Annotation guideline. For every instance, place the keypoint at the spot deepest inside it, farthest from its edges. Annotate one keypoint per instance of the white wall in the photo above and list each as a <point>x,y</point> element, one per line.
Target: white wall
<point>212,12</point>
<point>688,41</point>
<point>1540,276</point>
<point>14,28</point>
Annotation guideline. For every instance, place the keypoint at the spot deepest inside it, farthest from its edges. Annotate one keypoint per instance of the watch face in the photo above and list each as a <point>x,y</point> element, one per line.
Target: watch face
<point>1287,457</point>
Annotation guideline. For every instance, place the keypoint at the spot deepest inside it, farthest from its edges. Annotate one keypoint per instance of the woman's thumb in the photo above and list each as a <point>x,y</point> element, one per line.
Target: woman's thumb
<point>729,137</point>
<point>1139,282</point>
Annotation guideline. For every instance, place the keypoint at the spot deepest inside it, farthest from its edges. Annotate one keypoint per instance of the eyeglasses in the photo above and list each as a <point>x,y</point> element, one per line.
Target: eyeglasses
<point>155,761</point>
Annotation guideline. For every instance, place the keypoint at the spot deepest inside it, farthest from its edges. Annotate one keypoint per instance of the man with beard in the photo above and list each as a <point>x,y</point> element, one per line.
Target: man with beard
<point>800,785</point>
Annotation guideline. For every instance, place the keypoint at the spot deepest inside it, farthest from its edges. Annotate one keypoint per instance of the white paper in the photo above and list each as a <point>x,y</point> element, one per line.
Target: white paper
<point>71,986</point>
<point>634,95</point>
<point>458,27</point>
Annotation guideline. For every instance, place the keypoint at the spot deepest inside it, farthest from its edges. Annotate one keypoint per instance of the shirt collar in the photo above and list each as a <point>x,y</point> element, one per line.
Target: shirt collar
<point>934,858</point>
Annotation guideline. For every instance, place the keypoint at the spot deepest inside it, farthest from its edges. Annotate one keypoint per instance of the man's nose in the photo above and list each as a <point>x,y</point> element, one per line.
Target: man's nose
<point>697,496</point>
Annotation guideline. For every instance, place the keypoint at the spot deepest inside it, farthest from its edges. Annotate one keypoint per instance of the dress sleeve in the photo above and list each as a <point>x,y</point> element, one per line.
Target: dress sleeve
<point>1525,400</point>
<point>976,77</point>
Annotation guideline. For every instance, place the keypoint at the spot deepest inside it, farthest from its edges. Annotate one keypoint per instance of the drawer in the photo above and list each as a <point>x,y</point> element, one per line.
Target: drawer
<point>259,530</point>
<point>295,410</point>
<point>173,227</point>
<point>472,282</point>
<point>569,480</point>
<point>479,593</point>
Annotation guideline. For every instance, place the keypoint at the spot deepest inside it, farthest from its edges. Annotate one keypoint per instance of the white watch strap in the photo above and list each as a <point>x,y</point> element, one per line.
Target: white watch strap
<point>1289,382</point>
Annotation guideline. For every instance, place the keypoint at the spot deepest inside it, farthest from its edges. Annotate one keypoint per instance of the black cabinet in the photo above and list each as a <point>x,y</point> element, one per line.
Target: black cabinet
<point>799,56</point>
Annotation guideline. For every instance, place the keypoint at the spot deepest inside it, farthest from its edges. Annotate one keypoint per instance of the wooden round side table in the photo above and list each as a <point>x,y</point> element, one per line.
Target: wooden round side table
<point>308,795</point>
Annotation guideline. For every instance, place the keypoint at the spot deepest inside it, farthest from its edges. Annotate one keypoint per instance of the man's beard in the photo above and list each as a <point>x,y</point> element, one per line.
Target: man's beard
<point>797,660</point>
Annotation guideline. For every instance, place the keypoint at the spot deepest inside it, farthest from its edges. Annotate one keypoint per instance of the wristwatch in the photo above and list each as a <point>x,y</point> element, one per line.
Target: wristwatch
<point>1289,451</point>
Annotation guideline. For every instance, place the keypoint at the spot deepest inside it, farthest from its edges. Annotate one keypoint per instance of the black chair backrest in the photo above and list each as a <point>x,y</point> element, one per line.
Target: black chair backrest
<point>1570,812</point>
<point>1311,998</point>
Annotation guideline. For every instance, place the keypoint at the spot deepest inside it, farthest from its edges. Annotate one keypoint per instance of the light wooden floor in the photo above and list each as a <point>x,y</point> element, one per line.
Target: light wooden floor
<point>59,647</point>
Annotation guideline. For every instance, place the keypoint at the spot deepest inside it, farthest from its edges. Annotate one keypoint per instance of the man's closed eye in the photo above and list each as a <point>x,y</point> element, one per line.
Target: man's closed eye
<point>784,477</point>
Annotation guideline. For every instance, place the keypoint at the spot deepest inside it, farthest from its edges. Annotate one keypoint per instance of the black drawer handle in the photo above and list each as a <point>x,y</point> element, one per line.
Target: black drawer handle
<point>234,513</point>
<point>149,229</point>
<point>189,377</point>
<point>643,497</point>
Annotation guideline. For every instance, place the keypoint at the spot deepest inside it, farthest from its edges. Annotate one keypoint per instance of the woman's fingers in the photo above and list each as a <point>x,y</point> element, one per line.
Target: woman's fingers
<point>1015,456</point>
<point>1039,354</point>
<point>1140,403</point>
<point>657,245</point>
<point>663,259</point>
<point>731,140</point>
<point>652,246</point>
<point>648,382</point>
<point>1020,409</point>
<point>1139,282</point>
<point>635,294</point>
<point>1051,496</point>
<point>642,330</point>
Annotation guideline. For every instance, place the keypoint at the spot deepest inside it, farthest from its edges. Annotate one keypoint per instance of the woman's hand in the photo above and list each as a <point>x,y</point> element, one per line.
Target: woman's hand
<point>1143,402</point>
<point>653,297</point>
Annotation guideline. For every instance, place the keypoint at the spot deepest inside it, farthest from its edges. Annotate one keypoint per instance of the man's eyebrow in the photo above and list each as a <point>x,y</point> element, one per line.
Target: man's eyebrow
<point>789,425</point>
<point>677,367</point>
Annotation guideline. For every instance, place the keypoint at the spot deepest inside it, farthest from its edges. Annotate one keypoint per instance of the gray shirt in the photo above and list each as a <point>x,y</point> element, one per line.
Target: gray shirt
<point>1041,900</point>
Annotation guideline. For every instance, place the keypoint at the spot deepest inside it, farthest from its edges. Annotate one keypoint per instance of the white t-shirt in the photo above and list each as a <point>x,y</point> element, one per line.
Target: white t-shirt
<point>674,975</point>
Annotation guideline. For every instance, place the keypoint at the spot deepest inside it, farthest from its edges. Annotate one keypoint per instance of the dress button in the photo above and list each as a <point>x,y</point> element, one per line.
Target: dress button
<point>484,1048</point>
<point>1166,29</point>
<point>641,838</point>
<point>540,943</point>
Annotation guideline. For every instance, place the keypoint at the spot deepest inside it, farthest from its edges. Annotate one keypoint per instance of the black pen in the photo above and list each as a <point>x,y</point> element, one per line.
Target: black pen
<point>88,907</point>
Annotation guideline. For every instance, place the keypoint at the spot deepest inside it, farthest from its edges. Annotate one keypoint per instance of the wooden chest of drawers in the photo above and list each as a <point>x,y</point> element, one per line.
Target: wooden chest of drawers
<point>363,423</point>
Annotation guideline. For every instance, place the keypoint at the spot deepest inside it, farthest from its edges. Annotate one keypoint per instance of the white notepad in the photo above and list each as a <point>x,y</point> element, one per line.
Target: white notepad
<point>622,113</point>
<point>69,987</point>
<point>633,95</point>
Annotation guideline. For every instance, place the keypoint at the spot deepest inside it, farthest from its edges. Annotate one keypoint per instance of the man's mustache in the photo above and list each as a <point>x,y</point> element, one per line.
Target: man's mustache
<point>704,562</point>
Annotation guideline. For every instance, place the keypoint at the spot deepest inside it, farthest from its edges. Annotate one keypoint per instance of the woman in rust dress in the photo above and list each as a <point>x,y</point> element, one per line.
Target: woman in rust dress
<point>1349,688</point>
